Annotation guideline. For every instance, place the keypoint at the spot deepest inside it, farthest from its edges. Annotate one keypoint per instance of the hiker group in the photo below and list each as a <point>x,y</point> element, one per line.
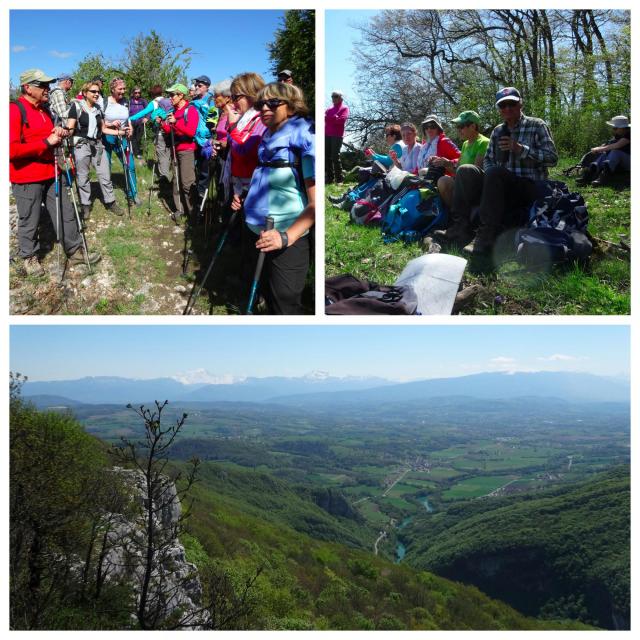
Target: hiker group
<point>476,191</point>
<point>238,149</point>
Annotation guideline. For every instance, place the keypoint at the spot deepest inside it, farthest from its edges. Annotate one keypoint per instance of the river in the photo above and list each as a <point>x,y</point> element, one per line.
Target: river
<point>401,550</point>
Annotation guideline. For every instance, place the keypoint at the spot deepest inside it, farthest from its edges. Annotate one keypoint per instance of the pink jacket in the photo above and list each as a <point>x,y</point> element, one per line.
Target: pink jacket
<point>335,117</point>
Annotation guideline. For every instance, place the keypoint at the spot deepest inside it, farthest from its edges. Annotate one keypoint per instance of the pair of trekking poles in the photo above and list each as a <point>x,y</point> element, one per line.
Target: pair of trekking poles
<point>197,288</point>
<point>70,172</point>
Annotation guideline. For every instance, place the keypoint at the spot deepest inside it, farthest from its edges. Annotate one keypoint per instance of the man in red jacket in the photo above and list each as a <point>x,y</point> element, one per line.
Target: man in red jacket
<point>33,141</point>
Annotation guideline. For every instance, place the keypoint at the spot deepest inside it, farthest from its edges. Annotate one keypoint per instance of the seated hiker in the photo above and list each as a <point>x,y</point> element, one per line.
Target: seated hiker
<point>411,151</point>
<point>283,187</point>
<point>393,138</point>
<point>614,155</point>
<point>473,150</point>
<point>520,152</point>
<point>438,152</point>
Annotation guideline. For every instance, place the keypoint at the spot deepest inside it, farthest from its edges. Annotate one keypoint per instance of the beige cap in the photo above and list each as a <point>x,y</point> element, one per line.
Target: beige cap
<point>34,75</point>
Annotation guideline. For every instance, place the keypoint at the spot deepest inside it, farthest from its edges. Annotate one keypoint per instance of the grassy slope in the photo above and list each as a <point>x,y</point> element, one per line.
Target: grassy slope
<point>603,287</point>
<point>537,550</point>
<point>310,584</point>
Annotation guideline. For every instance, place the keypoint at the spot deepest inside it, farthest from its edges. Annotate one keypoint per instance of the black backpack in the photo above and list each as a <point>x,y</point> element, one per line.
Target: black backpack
<point>557,229</point>
<point>347,295</point>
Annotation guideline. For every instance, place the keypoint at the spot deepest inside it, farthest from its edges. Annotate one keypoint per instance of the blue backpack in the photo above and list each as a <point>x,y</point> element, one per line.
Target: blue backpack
<point>557,229</point>
<point>413,216</point>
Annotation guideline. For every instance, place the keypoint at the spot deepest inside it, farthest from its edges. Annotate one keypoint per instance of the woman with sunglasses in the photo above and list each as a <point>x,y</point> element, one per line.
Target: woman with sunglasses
<point>245,130</point>
<point>283,187</point>
<point>473,150</point>
<point>87,122</point>
<point>183,122</point>
<point>438,152</point>
<point>116,115</point>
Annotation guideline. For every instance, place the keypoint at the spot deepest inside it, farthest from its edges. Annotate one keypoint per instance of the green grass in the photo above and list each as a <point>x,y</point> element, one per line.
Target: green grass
<point>602,287</point>
<point>475,487</point>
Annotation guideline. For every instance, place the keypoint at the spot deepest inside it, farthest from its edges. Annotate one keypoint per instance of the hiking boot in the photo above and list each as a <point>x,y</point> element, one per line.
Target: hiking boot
<point>33,267</point>
<point>457,232</point>
<point>112,207</point>
<point>604,177</point>
<point>588,175</point>
<point>482,243</point>
<point>86,211</point>
<point>77,258</point>
<point>337,199</point>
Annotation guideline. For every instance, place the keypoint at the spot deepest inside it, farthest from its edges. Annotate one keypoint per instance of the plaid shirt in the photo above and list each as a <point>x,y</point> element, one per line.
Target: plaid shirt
<point>59,104</point>
<point>539,151</point>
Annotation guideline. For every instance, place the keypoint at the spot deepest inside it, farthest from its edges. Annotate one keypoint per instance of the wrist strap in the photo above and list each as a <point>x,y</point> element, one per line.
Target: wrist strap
<point>285,239</point>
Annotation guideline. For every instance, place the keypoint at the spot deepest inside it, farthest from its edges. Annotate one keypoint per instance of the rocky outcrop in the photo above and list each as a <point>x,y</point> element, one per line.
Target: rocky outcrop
<point>174,591</point>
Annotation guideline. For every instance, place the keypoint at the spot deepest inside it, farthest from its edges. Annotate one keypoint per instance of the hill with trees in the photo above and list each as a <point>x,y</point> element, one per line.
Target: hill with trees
<point>564,552</point>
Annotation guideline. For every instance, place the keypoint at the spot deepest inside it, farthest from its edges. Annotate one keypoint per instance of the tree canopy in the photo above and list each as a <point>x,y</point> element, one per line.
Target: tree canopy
<point>572,67</point>
<point>294,48</point>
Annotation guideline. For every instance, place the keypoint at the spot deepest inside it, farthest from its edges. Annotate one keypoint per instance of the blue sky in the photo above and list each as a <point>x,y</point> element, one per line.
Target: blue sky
<point>50,352</point>
<point>213,35</point>
<point>340,36</point>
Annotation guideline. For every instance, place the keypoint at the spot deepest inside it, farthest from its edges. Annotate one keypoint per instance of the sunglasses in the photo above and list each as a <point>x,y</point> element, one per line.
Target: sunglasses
<point>201,84</point>
<point>40,85</point>
<point>508,104</point>
<point>93,91</point>
<point>462,126</point>
<point>236,96</point>
<point>431,126</point>
<point>271,103</point>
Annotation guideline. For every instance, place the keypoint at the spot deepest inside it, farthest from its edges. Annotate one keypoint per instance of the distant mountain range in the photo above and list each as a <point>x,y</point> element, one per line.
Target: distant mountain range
<point>315,390</point>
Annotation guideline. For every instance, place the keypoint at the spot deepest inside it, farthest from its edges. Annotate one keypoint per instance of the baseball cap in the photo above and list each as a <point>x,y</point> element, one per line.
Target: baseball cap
<point>177,88</point>
<point>285,72</point>
<point>31,76</point>
<point>508,93</point>
<point>467,117</point>
<point>203,79</point>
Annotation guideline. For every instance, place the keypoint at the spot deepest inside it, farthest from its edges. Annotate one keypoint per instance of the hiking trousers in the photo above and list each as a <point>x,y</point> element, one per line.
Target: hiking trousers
<point>163,151</point>
<point>186,187</point>
<point>284,275</point>
<point>616,159</point>
<point>333,166</point>
<point>87,154</point>
<point>121,147</point>
<point>202,170</point>
<point>504,196</point>
<point>29,199</point>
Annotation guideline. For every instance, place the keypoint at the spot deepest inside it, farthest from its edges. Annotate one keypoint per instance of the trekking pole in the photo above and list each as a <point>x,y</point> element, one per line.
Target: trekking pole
<point>153,175</point>
<point>197,288</point>
<point>126,175</point>
<point>176,175</point>
<point>77,212</point>
<point>259,265</point>
<point>57,183</point>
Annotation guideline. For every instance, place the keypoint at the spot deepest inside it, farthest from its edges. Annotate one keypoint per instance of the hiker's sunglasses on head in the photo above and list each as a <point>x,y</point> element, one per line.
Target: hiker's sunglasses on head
<point>271,103</point>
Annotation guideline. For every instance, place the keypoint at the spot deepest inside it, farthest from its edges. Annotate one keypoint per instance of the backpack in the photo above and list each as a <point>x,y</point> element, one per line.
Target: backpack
<point>585,163</point>
<point>348,295</point>
<point>414,215</point>
<point>202,136</point>
<point>24,122</point>
<point>557,229</point>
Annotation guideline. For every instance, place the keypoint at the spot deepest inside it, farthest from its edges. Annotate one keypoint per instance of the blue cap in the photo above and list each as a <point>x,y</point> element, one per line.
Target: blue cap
<point>508,93</point>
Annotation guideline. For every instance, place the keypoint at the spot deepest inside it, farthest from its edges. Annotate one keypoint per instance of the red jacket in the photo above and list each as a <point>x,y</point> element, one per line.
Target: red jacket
<point>184,131</point>
<point>244,147</point>
<point>30,157</point>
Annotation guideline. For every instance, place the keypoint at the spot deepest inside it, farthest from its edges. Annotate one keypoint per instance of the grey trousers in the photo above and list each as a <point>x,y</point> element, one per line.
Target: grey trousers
<point>29,198</point>
<point>163,150</point>
<point>186,188</point>
<point>86,155</point>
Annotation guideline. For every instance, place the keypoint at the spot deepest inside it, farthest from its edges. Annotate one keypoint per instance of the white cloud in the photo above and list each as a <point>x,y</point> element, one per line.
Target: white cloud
<point>202,376</point>
<point>61,54</point>
<point>19,48</point>
<point>560,357</point>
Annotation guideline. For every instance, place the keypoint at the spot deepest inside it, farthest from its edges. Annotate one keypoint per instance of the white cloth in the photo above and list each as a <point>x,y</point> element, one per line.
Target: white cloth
<point>409,160</point>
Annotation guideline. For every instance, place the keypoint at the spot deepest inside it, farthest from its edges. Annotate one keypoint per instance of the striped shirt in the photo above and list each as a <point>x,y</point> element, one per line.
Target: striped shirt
<point>538,153</point>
